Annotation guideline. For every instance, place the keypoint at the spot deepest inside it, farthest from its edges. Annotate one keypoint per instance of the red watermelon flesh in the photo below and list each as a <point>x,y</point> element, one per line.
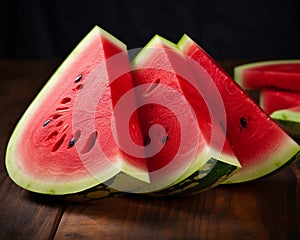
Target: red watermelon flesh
<point>259,143</point>
<point>282,74</point>
<point>272,100</point>
<point>55,147</point>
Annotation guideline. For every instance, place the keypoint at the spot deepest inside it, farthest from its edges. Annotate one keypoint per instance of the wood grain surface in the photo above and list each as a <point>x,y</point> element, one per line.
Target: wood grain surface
<point>268,208</point>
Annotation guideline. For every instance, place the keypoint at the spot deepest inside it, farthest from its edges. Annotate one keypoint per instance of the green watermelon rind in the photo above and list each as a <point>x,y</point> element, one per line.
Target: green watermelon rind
<point>210,175</point>
<point>12,161</point>
<point>155,42</point>
<point>267,168</point>
<point>238,70</point>
<point>289,120</point>
<point>196,183</point>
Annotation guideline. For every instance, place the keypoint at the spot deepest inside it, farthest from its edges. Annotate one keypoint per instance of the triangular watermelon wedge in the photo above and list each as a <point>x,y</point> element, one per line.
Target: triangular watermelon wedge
<point>258,142</point>
<point>64,142</point>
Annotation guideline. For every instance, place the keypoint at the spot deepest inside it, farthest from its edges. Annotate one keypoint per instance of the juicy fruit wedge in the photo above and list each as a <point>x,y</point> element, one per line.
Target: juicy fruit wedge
<point>289,120</point>
<point>171,124</point>
<point>282,74</point>
<point>272,100</point>
<point>259,143</point>
<point>164,73</point>
<point>55,148</point>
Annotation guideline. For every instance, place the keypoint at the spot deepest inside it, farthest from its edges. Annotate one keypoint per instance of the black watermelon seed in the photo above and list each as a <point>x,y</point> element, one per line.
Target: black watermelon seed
<point>165,138</point>
<point>243,122</point>
<point>72,142</point>
<point>78,78</point>
<point>147,140</point>
<point>46,122</point>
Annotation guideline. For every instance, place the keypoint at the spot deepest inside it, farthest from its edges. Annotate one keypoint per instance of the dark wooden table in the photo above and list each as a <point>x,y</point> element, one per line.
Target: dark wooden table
<point>268,208</point>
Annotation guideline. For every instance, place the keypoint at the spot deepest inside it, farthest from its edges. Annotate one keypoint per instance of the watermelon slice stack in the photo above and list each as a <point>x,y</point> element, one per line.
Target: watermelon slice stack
<point>170,122</point>
<point>278,83</point>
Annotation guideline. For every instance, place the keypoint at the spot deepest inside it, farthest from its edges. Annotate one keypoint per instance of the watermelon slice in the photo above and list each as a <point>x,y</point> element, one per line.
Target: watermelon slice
<point>272,100</point>
<point>282,74</point>
<point>164,89</point>
<point>259,143</point>
<point>64,142</point>
<point>289,120</point>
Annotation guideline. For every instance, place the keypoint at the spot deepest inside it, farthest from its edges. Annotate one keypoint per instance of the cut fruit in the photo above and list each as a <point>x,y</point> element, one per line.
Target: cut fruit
<point>64,141</point>
<point>259,143</point>
<point>272,100</point>
<point>282,74</point>
<point>164,77</point>
<point>75,138</point>
<point>172,123</point>
<point>289,120</point>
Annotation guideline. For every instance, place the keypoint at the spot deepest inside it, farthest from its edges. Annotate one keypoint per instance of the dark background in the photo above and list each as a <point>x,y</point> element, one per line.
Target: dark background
<point>233,29</point>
